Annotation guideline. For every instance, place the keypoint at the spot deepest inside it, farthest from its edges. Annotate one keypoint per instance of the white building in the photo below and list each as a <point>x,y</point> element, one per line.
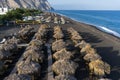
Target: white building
<point>27,18</point>
<point>3,10</point>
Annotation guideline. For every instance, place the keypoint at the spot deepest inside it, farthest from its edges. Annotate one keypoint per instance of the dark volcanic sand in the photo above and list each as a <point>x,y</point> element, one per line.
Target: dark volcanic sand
<point>107,45</point>
<point>8,30</point>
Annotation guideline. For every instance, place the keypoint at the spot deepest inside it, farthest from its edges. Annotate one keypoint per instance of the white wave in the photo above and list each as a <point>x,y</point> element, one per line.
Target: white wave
<point>109,31</point>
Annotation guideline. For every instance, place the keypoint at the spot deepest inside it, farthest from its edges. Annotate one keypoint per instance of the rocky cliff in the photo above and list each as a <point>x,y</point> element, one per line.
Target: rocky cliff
<point>34,4</point>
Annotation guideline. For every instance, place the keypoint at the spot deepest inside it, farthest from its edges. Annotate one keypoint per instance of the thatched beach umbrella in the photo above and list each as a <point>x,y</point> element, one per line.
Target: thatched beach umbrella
<point>88,50</point>
<point>26,32</point>
<point>64,67</point>
<point>36,48</point>
<point>56,20</point>
<point>15,76</point>
<point>42,32</point>
<point>70,30</point>
<point>28,67</point>
<point>91,57</point>
<point>65,77</point>
<point>82,44</point>
<point>13,40</point>
<point>58,35</point>
<point>99,68</point>
<point>62,54</point>
<point>58,45</point>
<point>36,56</point>
<point>43,26</point>
<point>57,29</point>
<point>76,36</point>
<point>39,36</point>
<point>35,42</point>
<point>62,20</point>
<point>9,46</point>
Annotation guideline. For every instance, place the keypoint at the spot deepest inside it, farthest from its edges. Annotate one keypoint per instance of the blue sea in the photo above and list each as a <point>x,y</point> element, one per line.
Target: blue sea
<point>108,21</point>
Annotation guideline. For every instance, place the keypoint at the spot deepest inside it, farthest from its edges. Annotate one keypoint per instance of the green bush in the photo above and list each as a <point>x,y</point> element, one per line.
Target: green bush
<point>18,14</point>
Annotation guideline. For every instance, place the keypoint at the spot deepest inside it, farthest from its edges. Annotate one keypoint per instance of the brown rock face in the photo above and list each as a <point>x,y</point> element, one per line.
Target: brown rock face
<point>34,4</point>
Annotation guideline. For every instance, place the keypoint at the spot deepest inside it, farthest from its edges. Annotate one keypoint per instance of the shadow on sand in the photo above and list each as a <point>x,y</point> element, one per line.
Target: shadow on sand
<point>111,57</point>
<point>90,38</point>
<point>108,55</point>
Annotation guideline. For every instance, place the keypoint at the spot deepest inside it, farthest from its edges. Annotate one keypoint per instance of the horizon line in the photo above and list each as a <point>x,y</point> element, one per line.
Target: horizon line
<point>89,9</point>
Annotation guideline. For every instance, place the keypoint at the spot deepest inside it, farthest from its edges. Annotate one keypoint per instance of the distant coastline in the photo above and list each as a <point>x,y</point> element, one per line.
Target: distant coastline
<point>102,28</point>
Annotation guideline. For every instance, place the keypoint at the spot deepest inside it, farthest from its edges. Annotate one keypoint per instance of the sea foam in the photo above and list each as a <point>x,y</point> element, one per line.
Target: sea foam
<point>109,31</point>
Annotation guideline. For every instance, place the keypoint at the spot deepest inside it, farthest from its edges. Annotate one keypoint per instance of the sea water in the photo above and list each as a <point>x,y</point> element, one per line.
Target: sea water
<point>108,21</point>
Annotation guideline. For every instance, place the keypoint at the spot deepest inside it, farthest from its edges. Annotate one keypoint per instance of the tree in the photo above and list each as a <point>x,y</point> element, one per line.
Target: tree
<point>18,14</point>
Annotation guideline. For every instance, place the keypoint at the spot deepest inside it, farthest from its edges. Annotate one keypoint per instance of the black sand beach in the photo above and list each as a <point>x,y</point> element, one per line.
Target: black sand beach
<point>107,46</point>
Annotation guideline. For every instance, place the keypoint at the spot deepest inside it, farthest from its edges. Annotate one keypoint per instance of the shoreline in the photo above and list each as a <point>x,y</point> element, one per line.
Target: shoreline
<point>95,26</point>
<point>107,45</point>
<point>100,30</point>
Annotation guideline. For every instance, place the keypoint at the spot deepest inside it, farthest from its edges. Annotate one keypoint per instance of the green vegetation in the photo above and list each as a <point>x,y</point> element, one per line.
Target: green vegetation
<point>18,14</point>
